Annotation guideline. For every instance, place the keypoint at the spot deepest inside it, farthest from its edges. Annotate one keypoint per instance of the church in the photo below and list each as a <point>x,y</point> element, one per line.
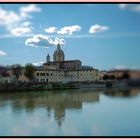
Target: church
<point>61,70</point>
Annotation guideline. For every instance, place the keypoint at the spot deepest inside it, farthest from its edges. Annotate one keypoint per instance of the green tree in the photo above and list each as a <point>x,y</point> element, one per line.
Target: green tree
<point>17,70</point>
<point>29,71</point>
<point>105,77</point>
<point>112,77</point>
<point>125,76</point>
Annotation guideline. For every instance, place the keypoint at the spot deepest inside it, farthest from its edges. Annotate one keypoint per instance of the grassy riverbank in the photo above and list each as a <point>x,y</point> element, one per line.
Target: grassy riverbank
<point>30,86</point>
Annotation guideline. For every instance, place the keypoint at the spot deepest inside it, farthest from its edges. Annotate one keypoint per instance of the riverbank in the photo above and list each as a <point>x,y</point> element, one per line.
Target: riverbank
<point>13,87</point>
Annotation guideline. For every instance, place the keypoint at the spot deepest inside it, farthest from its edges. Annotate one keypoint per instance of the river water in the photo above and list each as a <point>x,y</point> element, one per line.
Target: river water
<point>71,113</point>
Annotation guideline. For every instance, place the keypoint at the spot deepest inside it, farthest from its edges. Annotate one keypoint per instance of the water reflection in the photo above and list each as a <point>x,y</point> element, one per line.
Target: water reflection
<point>126,93</point>
<point>56,103</point>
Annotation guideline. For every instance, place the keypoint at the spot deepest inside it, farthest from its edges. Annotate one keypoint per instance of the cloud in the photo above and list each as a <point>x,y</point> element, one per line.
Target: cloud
<point>22,29</point>
<point>65,30</point>
<point>26,23</point>
<point>30,8</point>
<point>25,10</point>
<point>97,36</point>
<point>38,63</point>
<point>120,67</point>
<point>2,53</point>
<point>131,7</point>
<point>69,29</point>
<point>19,31</point>
<point>97,28</point>
<point>38,40</point>
<point>122,6</point>
<point>136,8</point>
<point>16,23</point>
<point>51,30</point>
<point>8,18</point>
<point>57,40</point>
<point>44,41</point>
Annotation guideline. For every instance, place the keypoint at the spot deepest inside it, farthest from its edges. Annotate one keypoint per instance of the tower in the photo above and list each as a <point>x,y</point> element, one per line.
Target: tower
<point>58,55</point>
<point>48,58</point>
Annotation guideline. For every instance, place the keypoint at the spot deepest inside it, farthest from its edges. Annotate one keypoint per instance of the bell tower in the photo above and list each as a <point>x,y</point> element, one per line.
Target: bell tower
<point>48,58</point>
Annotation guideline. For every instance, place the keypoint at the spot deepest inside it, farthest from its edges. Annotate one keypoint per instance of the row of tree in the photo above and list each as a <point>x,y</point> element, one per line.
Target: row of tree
<point>112,77</point>
<point>28,72</point>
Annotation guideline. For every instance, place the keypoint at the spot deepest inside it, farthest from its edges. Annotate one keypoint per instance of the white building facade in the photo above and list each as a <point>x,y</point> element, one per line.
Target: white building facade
<point>67,75</point>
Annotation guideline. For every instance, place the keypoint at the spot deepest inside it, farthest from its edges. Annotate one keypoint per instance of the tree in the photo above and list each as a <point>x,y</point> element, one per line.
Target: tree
<point>29,71</point>
<point>125,76</point>
<point>105,77</point>
<point>17,70</point>
<point>112,77</point>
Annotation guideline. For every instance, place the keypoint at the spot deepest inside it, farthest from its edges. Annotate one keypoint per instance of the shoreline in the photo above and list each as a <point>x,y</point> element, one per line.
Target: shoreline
<point>21,87</point>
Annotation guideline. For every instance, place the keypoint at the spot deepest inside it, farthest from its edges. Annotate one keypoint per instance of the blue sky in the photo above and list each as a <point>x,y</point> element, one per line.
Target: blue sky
<point>104,36</point>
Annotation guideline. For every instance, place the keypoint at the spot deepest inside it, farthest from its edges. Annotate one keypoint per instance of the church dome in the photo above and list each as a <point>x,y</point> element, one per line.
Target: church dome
<point>58,54</point>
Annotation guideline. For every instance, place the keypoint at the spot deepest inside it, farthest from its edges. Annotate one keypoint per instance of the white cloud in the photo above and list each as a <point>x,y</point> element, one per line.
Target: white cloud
<point>25,10</point>
<point>137,8</point>
<point>97,28</point>
<point>57,40</point>
<point>122,6</point>
<point>8,18</point>
<point>30,8</point>
<point>26,23</point>
<point>120,67</point>
<point>16,23</point>
<point>38,40</point>
<point>51,30</point>
<point>69,29</point>
<point>2,53</point>
<point>43,40</point>
<point>38,63</point>
<point>19,31</point>
<point>131,7</point>
<point>65,30</point>
<point>24,29</point>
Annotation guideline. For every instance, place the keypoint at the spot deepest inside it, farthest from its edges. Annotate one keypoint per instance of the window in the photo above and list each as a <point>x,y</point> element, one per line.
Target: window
<point>42,74</point>
<point>37,74</point>
<point>47,74</point>
<point>46,80</point>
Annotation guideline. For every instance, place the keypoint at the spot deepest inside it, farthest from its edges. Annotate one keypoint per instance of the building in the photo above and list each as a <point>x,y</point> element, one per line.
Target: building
<point>61,70</point>
<point>102,74</point>
<point>4,75</point>
<point>133,74</point>
<point>22,77</point>
<point>119,73</point>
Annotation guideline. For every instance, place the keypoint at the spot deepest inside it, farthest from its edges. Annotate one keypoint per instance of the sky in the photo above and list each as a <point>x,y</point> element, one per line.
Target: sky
<point>105,36</point>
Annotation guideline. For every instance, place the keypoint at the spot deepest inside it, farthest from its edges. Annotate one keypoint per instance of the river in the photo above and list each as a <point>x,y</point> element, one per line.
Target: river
<point>79,112</point>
